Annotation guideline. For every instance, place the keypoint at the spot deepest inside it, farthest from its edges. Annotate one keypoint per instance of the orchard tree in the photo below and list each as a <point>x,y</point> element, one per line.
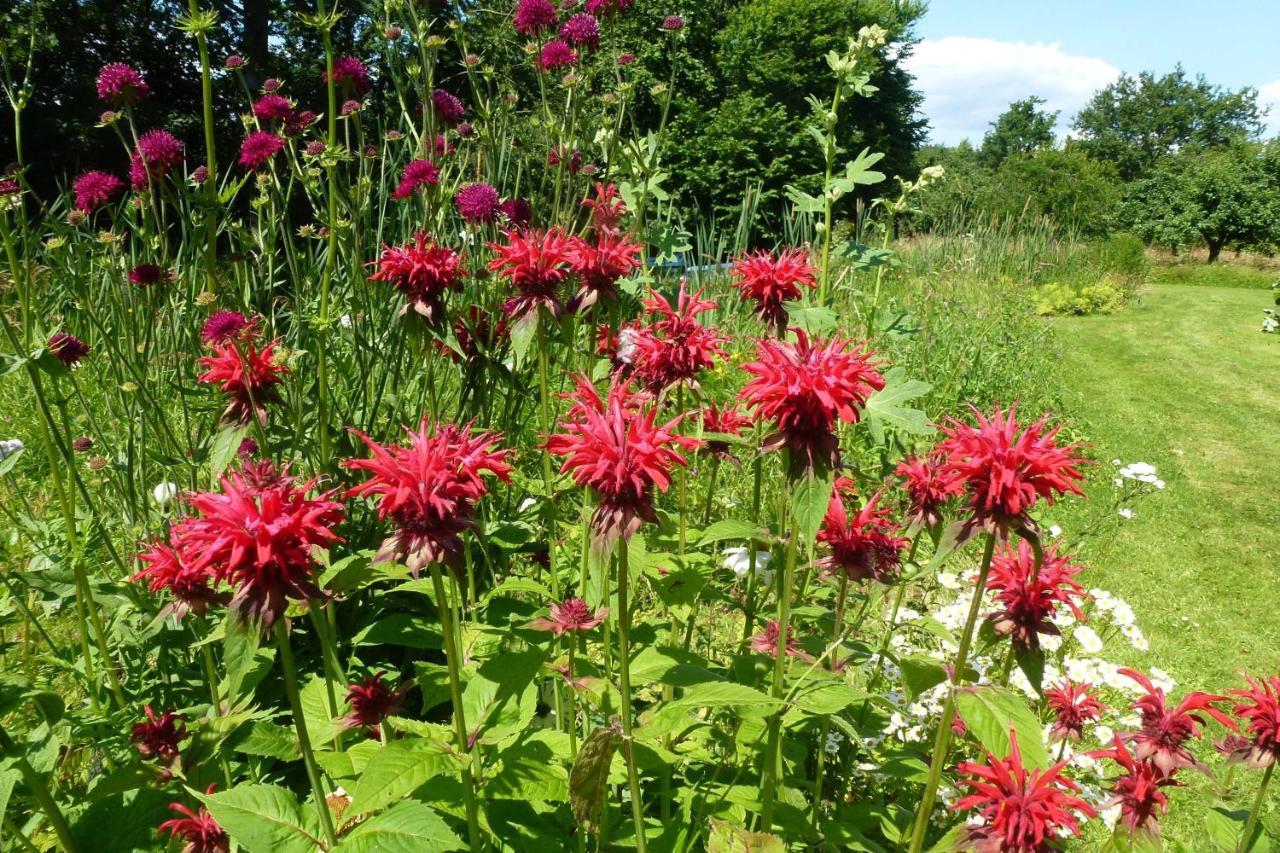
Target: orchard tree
<point>1022,128</point>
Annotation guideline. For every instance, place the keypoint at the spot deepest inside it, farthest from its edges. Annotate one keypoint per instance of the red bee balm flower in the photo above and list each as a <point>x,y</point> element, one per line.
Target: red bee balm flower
<point>158,737</point>
<point>1072,706</point>
<point>372,701</point>
<point>1006,468</point>
<point>94,189</point>
<point>1165,732</point>
<point>1137,792</point>
<point>416,174</point>
<point>423,272</point>
<point>806,388</point>
<point>429,489</point>
<point>245,374</point>
<point>1023,811</point>
<point>1028,596</point>
<point>1259,708</point>
<point>772,281</point>
<point>607,209</point>
<point>165,567</point>
<point>535,262</point>
<point>723,420</point>
<point>766,642</point>
<point>865,547</point>
<point>258,148</point>
<point>929,485</point>
<point>616,447</point>
<point>197,828</point>
<point>598,266</point>
<point>570,616</point>
<point>675,347</point>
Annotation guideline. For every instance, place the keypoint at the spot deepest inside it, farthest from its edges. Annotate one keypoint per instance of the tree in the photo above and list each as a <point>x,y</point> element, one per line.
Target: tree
<point>1137,120</point>
<point>1020,129</point>
<point>1077,193</point>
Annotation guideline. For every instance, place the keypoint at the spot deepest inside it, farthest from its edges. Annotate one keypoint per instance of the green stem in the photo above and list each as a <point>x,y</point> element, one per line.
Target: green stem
<point>772,771</point>
<point>826,721</point>
<point>548,485</point>
<point>40,791</point>
<point>624,674</point>
<point>211,161</point>
<point>300,726</point>
<point>1255,813</point>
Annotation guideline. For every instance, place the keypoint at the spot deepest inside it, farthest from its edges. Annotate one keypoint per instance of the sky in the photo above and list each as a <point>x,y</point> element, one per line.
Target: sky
<point>976,56</point>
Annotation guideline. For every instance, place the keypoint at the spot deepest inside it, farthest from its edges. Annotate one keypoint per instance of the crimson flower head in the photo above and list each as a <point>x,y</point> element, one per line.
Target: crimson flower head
<point>615,446</point>
<point>423,272</point>
<point>556,54</point>
<point>1022,810</point>
<point>582,29</point>
<point>806,388</point>
<point>604,8</point>
<point>607,208</point>
<point>416,174</point>
<point>167,568</point>
<point>145,275</point>
<point>865,547</point>
<point>535,262</point>
<point>929,486</point>
<point>766,642</point>
<point>1028,596</point>
<point>477,203</point>
<point>771,282</point>
<point>570,616</point>
<point>599,264</point>
<point>1258,707</point>
<point>1138,791</point>
<point>197,828</point>
<point>675,347</point>
<point>67,348</point>
<point>159,152</point>
<point>726,420</point>
<point>429,489</point>
<point>121,85</point>
<point>258,148</point>
<point>1073,706</point>
<point>1165,731</point>
<point>223,326</point>
<point>94,189</point>
<point>351,75</point>
<point>447,106</point>
<point>273,107</point>
<point>1006,468</point>
<point>517,212</point>
<point>372,701</point>
<point>158,737</point>
<point>534,17</point>
<point>247,375</point>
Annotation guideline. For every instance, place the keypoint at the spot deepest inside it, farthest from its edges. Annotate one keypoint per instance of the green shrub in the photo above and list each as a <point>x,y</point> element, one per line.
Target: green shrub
<point>1103,297</point>
<point>1123,254</point>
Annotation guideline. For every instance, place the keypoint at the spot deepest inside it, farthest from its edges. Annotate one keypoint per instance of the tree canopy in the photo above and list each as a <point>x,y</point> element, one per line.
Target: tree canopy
<point>1022,128</point>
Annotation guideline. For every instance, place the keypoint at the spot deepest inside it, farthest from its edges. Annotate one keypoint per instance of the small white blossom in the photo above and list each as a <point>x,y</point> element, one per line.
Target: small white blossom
<point>1125,513</point>
<point>1088,639</point>
<point>164,493</point>
<point>832,746</point>
<point>10,446</point>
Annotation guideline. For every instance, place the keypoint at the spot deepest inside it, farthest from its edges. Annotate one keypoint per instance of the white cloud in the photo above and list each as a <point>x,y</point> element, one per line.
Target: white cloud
<point>968,82</point>
<point>1269,96</point>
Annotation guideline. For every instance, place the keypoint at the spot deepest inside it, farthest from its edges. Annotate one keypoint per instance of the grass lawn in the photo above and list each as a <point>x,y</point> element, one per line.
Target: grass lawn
<point>1184,380</point>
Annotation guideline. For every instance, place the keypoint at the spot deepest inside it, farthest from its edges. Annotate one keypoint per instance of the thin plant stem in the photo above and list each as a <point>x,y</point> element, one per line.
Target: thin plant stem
<point>841,597</point>
<point>624,677</point>
<point>772,770</point>
<point>1255,813</point>
<point>300,726</point>
<point>41,792</point>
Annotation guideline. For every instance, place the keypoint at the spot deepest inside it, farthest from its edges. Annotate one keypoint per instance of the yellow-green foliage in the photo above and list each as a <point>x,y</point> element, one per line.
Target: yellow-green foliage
<point>1103,297</point>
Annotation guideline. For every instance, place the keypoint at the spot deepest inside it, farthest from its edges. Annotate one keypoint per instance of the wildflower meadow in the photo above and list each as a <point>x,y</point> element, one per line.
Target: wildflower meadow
<point>416,477</point>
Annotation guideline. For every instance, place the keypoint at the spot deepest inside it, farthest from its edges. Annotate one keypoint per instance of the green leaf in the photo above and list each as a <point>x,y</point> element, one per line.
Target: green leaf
<point>992,712</point>
<point>523,331</point>
<point>402,629</point>
<point>529,772</point>
<point>859,172</point>
<point>885,409</point>
<point>920,673</point>
<point>225,445</point>
<point>244,660</point>
<point>827,697</point>
<point>397,770</point>
<point>322,726</point>
<point>261,817</point>
<point>1225,827</point>
<point>407,827</point>
<point>817,321</point>
<point>266,739</point>
<point>810,495</point>
<point>727,838</point>
<point>501,698</point>
<point>955,841</point>
<point>587,779</point>
<point>10,460</point>
<point>1031,662</point>
<point>729,529</point>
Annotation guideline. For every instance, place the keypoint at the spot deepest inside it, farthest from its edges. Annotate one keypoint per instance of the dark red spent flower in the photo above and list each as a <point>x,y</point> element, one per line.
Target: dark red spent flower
<point>1258,707</point>
<point>929,484</point>
<point>570,616</point>
<point>121,85</point>
<point>582,30</point>
<point>157,737</point>
<point>167,569</point>
<point>625,59</point>
<point>197,829</point>
<point>247,375</point>
<point>1028,596</point>
<point>556,156</point>
<point>1023,810</point>
<point>615,446</point>
<point>673,23</point>
<point>675,348</point>
<point>159,152</point>
<point>556,54</point>
<point>299,122</point>
<point>535,262</point>
<point>350,107</point>
<point>223,326</point>
<point>1165,732</point>
<point>534,17</point>
<point>258,148</point>
<point>1073,706</point>
<point>726,420</point>
<point>478,335</point>
<point>477,203</point>
<point>807,388</point>
<point>273,107</point>
<point>67,348</point>
<point>233,62</point>
<point>423,271</point>
<point>429,489</point>
<point>350,74</point>
<point>604,8</point>
<point>865,547</point>
<point>448,107</point>
<point>766,642</point>
<point>771,282</point>
<point>1007,469</point>
<point>416,174</point>
<point>82,444</point>
<point>372,700</point>
<point>1138,791</point>
<point>259,534</point>
<point>145,275</point>
<point>607,208</point>
<point>517,212</point>
<point>94,189</point>
<point>272,84</point>
<point>599,264</point>
<point>9,187</point>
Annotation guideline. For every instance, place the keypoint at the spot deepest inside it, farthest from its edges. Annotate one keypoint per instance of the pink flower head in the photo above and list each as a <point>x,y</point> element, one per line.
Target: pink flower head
<point>1138,792</point>
<point>583,30</point>
<point>808,387</point>
<point>67,348</point>
<point>673,23</point>
<point>222,326</point>
<point>258,148</point>
<point>372,701</point>
<point>448,107</point>
<point>604,8</point>
<point>570,616</point>
<point>773,281</point>
<point>1258,707</point>
<point>929,484</point>
<point>517,212</point>
<point>1028,596</point>
<point>416,174</point>
<point>273,107</point>
<point>234,62</point>
<point>247,375</point>
<point>726,420</point>
<point>1073,706</point>
<point>158,737</point>
<point>766,642</point>
<point>429,489</point>
<point>607,208</point>
<point>298,122</point>
<point>477,203</point>
<point>351,75</point>
<point>556,54</point>
<point>423,272</point>
<point>675,347</point>
<point>159,152</point>
<point>121,85</point>
<point>598,264</point>
<point>1165,731</point>
<point>1006,468</point>
<point>93,189</point>
<point>145,275</point>
<point>534,17</point>
<point>865,547</point>
<point>197,828</point>
<point>535,262</point>
<point>615,446</point>
<point>1022,810</point>
<point>167,569</point>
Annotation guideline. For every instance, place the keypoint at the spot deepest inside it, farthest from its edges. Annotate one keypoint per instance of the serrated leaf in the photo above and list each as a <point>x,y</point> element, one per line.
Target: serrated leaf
<point>885,409</point>
<point>528,773</point>
<point>265,738</point>
<point>402,629</point>
<point>587,779</point>
<point>225,446</point>
<point>992,712</point>
<point>920,673</point>
<point>407,827</point>
<point>810,495</point>
<point>263,818</point>
<point>729,529</point>
<point>397,770</point>
<point>523,331</point>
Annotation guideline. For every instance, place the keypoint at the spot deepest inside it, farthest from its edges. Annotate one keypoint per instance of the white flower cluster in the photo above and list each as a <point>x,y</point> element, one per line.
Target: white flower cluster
<point>10,446</point>
<point>1142,472</point>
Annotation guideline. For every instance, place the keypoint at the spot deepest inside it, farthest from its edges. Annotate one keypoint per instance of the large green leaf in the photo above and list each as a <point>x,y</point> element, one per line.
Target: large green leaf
<point>886,408</point>
<point>501,698</point>
<point>529,772</point>
<point>244,659</point>
<point>261,817</point>
<point>729,529</point>
<point>407,827</point>
<point>992,712</point>
<point>810,496</point>
<point>397,770</point>
<point>402,629</point>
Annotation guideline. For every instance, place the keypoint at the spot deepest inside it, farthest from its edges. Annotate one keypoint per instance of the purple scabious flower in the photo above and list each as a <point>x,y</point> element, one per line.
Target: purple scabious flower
<point>258,148</point>
<point>477,203</point>
<point>298,122</point>
<point>626,58</point>
<point>349,107</point>
<point>416,174</point>
<point>67,349</point>
<point>582,29</point>
<point>159,152</point>
<point>534,17</point>
<point>672,23</point>
<point>95,188</point>
<point>145,275</point>
<point>603,8</point>
<point>273,107</point>
<point>222,326</point>
<point>232,62</point>
<point>557,54</point>
<point>517,211</point>
<point>448,107</point>
<point>121,85</point>
<point>351,75</point>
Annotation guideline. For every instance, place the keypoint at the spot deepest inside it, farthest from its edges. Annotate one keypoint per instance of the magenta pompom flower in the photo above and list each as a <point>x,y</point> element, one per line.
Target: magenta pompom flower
<point>159,152</point>
<point>447,106</point>
<point>121,85</point>
<point>766,642</point>
<point>771,281</point>
<point>517,212</point>
<point>603,8</point>
<point>556,54</point>
<point>477,203</point>
<point>94,188</point>
<point>258,148</point>
<point>273,107</point>
<point>417,173</point>
<point>67,349</point>
<point>222,326</point>
<point>582,29</point>
<point>145,275</point>
<point>351,75</point>
<point>673,23</point>
<point>534,17</point>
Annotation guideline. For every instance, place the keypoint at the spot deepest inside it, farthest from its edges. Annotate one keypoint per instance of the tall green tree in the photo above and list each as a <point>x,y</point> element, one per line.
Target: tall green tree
<point>1022,128</point>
